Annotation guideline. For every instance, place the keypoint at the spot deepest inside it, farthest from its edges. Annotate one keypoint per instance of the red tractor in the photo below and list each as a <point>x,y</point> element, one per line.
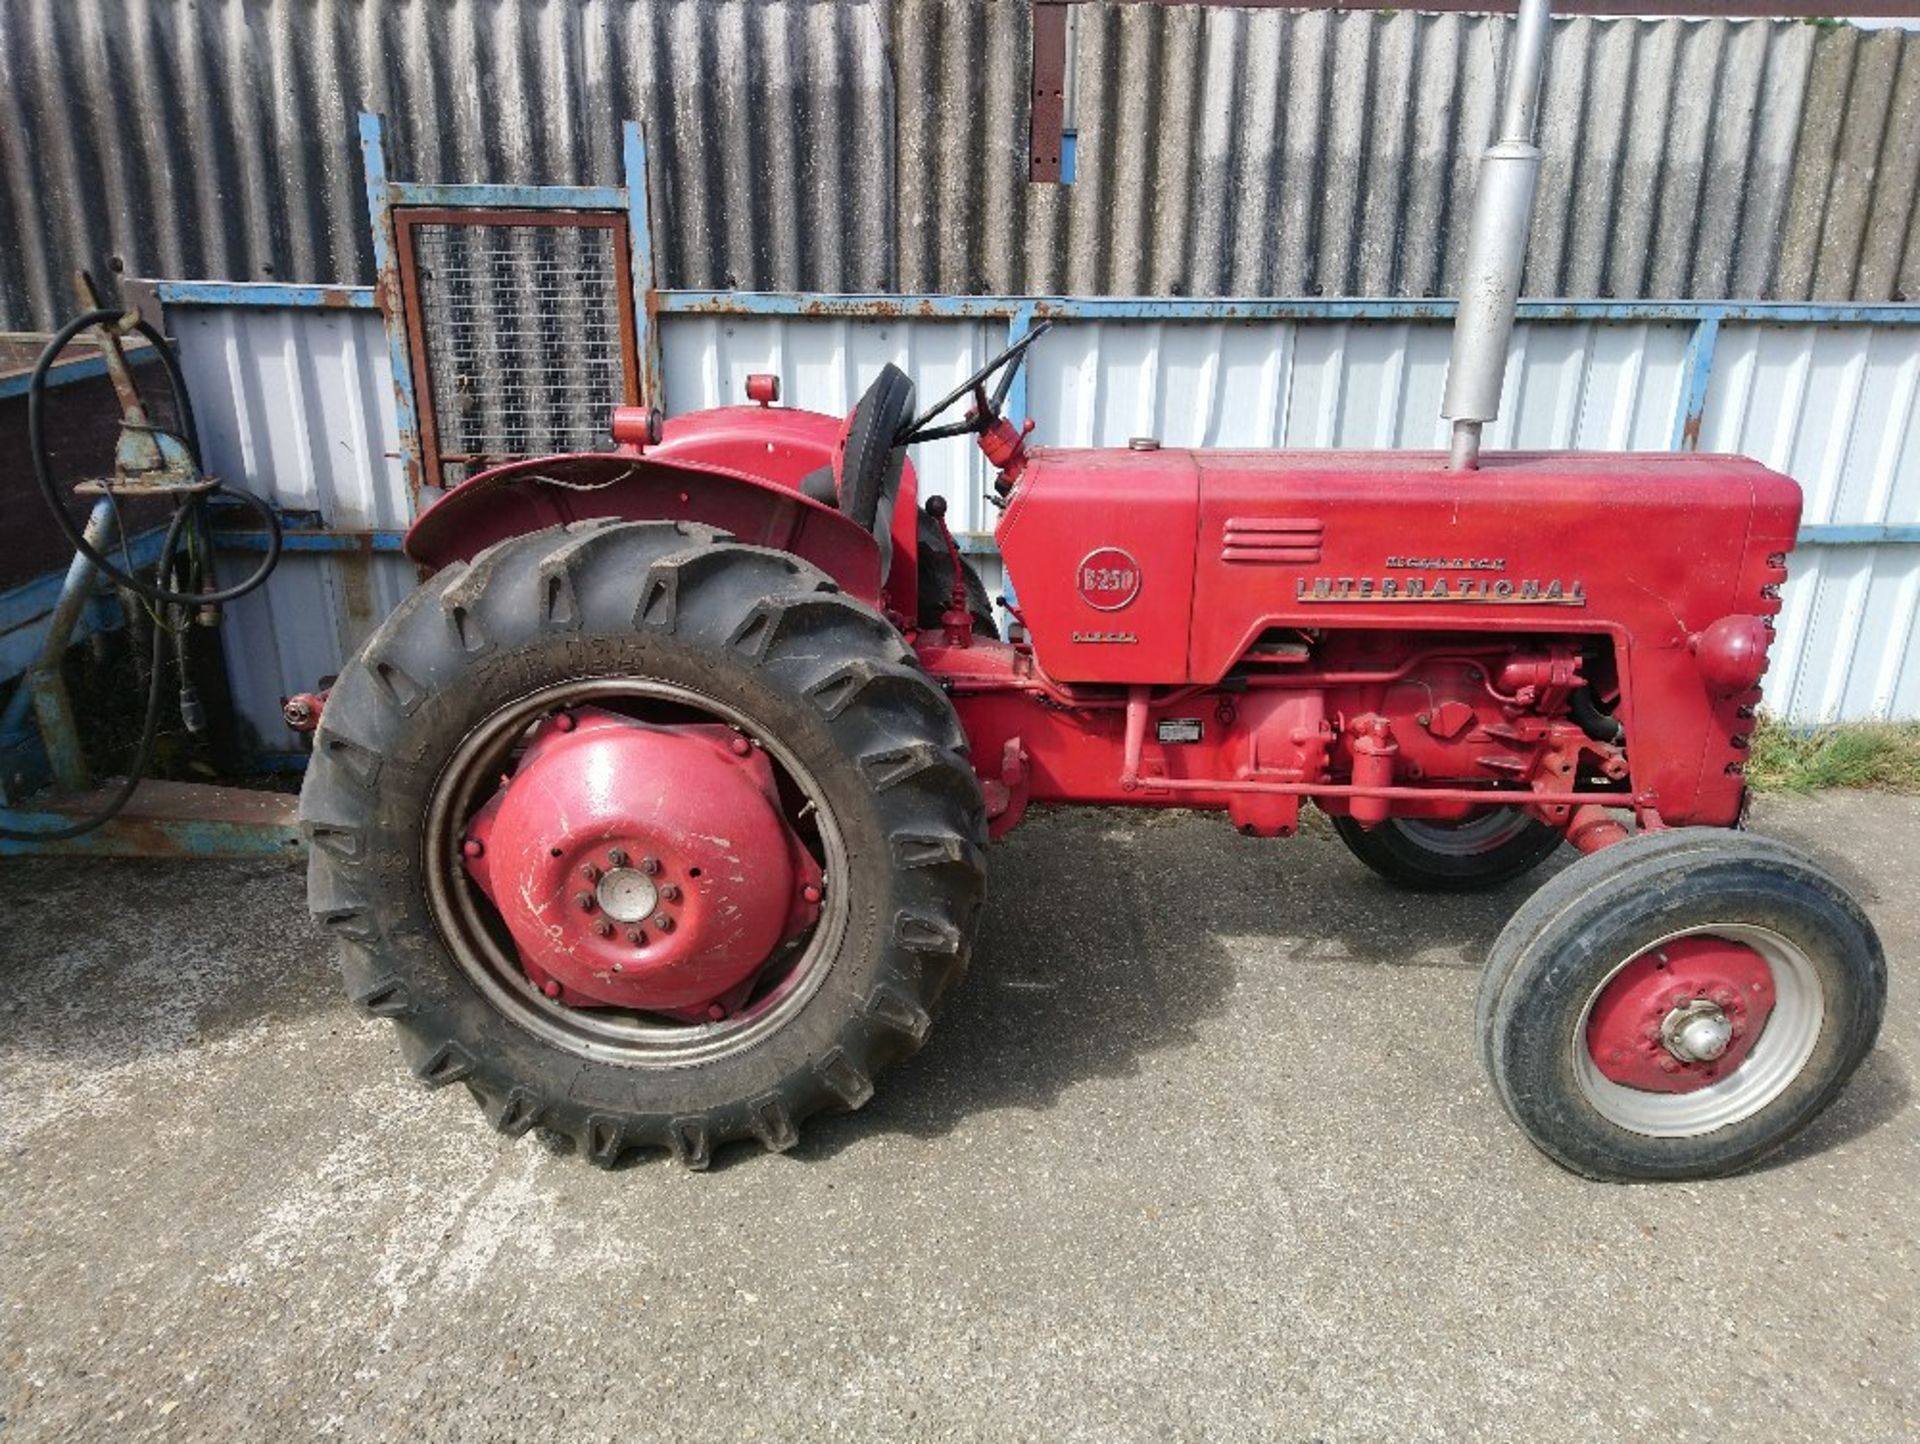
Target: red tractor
<point>659,815</point>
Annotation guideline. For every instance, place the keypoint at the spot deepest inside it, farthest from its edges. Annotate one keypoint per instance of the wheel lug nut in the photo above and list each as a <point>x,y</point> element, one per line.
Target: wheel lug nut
<point>670,893</point>
<point>617,857</point>
<point>636,937</point>
<point>585,900</point>
<point>473,847</point>
<point>1669,1064</point>
<point>650,865</point>
<point>663,921</point>
<point>603,928</point>
<point>589,872</point>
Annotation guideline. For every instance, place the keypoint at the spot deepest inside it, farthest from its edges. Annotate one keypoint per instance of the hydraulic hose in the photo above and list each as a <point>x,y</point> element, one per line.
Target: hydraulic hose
<point>43,473</point>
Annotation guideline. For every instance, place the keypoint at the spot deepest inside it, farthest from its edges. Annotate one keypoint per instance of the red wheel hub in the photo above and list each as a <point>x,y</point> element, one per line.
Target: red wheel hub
<point>1680,1016</point>
<point>642,866</point>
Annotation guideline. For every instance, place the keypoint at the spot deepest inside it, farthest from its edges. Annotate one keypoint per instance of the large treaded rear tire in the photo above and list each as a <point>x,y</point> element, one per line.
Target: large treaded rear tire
<point>762,632</point>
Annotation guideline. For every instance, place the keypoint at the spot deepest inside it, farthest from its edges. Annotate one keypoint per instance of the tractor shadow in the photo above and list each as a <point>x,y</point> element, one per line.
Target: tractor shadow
<point>1111,935</point>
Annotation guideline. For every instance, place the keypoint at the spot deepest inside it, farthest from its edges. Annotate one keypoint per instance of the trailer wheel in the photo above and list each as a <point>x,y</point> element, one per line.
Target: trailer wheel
<point>1679,1005</point>
<point>682,983</point>
<point>1496,846</point>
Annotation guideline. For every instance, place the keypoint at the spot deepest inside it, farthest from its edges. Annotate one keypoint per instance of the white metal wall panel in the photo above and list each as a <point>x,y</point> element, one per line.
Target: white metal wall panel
<point>1347,384</point>
<point>297,406</point>
<point>1837,408</point>
<point>825,363</point>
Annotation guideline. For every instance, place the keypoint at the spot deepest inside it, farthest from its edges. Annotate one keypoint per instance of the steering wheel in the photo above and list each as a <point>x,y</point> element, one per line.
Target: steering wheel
<point>986,409</point>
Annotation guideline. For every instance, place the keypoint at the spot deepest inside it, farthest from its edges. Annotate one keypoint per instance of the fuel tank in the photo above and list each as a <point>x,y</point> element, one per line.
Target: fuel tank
<point>1166,566</point>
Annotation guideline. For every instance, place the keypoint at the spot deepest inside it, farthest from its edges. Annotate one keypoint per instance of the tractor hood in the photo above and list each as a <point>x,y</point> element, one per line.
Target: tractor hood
<point>1164,565</point>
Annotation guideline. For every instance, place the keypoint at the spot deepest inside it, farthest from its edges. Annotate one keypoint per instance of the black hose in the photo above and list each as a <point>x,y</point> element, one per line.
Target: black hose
<point>43,475</point>
<point>1600,726</point>
<point>149,727</point>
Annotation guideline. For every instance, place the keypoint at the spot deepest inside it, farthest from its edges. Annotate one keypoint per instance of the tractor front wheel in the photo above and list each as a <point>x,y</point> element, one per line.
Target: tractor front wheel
<point>1493,846</point>
<point>1679,1005</point>
<point>648,838</point>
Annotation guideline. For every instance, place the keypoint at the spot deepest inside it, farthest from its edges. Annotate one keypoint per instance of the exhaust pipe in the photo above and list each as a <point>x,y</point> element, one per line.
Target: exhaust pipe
<point>1497,244</point>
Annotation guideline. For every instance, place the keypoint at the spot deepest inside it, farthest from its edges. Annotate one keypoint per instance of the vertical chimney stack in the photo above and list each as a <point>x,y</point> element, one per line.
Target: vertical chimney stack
<point>1497,243</point>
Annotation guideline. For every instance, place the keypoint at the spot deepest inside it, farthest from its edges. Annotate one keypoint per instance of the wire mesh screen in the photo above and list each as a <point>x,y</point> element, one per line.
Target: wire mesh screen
<point>521,327</point>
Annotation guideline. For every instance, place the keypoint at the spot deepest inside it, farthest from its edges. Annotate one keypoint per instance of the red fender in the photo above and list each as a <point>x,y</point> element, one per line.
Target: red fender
<point>737,468</point>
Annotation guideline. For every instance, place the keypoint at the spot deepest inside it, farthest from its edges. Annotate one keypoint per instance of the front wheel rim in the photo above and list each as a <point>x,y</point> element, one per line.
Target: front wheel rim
<point>1769,1068</point>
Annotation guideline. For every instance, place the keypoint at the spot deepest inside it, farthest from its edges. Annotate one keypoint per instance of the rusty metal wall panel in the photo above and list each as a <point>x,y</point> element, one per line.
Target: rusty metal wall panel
<point>297,406</point>
<point>880,145</point>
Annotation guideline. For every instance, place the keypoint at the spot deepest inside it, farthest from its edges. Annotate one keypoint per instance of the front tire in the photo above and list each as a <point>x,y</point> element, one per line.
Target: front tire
<point>744,637</point>
<point>1494,847</point>
<point>1679,1005</point>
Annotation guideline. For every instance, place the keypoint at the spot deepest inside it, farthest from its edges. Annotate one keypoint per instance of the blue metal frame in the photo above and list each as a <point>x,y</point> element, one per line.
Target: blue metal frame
<point>385,195</point>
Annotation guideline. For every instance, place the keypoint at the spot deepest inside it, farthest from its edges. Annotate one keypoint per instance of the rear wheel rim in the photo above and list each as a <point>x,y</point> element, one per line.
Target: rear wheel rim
<point>486,957</point>
<point>1769,1068</point>
<point>1472,837</point>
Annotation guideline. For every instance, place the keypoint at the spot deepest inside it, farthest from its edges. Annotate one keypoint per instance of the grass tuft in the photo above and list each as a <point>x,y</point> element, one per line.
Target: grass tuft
<point>1882,756</point>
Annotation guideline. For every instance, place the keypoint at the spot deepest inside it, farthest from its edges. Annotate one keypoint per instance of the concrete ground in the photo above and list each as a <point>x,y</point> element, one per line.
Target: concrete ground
<point>1200,1149</point>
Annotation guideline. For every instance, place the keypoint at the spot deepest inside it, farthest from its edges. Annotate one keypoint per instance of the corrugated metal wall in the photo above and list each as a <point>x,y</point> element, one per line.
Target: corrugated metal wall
<point>297,405</point>
<point>860,145</point>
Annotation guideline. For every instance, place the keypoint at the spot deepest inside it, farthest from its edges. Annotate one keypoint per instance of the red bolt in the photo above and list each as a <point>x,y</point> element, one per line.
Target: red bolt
<point>1723,996</point>
<point>663,921</point>
<point>1669,1064</point>
<point>473,847</point>
<point>810,893</point>
<point>715,1012</point>
<point>741,747</point>
<point>550,988</point>
<point>650,865</point>
<point>564,721</point>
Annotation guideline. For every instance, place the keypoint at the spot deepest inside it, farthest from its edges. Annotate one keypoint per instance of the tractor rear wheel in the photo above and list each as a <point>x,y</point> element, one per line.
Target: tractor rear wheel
<point>1495,846</point>
<point>1679,1005</point>
<point>648,838</point>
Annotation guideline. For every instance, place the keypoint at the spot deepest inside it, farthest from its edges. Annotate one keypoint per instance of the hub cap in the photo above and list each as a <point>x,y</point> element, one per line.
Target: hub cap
<point>625,868</point>
<point>640,866</point>
<point>1699,1031</point>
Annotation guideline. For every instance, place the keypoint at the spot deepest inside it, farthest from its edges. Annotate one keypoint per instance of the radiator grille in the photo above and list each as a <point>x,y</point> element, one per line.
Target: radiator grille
<point>523,330</point>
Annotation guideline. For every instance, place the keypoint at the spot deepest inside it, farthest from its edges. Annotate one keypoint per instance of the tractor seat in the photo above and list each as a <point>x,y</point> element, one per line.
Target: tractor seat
<point>865,477</point>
